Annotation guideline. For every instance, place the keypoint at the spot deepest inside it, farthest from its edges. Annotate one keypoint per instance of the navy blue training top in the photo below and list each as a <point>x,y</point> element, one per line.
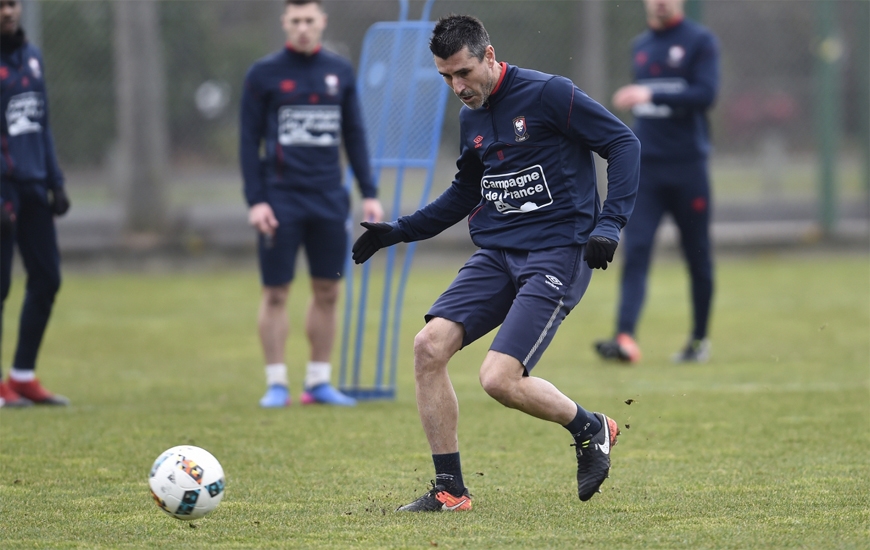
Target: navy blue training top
<point>301,107</point>
<point>26,143</point>
<point>681,65</point>
<point>526,174</point>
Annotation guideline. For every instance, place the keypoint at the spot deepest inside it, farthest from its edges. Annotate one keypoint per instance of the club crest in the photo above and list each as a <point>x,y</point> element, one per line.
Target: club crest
<point>520,128</point>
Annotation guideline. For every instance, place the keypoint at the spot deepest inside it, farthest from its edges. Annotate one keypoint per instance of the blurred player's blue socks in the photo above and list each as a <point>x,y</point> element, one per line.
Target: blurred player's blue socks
<point>448,472</point>
<point>584,425</point>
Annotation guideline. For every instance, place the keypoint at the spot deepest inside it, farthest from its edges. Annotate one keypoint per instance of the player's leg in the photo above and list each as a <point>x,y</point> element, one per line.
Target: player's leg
<point>551,283</point>
<point>438,407</point>
<point>691,211</point>
<point>326,249</point>
<point>277,261</point>
<point>8,397</point>
<point>638,240</point>
<point>37,244</point>
<point>474,304</point>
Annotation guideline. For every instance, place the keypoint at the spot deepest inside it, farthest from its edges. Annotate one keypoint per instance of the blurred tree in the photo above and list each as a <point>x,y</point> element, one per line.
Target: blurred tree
<point>77,46</point>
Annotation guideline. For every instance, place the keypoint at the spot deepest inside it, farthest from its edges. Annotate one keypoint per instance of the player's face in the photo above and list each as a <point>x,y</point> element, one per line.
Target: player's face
<point>660,12</point>
<point>10,16</point>
<point>304,25</point>
<point>472,80</point>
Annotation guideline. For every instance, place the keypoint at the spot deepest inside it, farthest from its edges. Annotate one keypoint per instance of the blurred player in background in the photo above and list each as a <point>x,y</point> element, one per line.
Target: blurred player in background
<point>676,74</point>
<point>300,104</point>
<point>526,183</point>
<point>31,195</point>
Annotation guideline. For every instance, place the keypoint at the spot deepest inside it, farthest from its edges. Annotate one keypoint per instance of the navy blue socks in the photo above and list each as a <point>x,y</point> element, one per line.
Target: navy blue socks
<point>584,425</point>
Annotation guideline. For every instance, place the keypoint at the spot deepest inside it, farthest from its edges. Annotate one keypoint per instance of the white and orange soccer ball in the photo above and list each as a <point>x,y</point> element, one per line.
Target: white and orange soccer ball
<point>187,482</point>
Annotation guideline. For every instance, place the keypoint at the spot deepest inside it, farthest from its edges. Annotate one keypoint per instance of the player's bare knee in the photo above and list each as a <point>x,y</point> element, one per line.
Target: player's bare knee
<point>428,354</point>
<point>495,386</point>
<point>325,292</point>
<point>275,297</point>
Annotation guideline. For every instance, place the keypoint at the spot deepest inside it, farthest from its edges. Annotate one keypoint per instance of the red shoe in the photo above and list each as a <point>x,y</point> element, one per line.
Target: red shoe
<point>8,397</point>
<point>34,391</point>
<point>623,348</point>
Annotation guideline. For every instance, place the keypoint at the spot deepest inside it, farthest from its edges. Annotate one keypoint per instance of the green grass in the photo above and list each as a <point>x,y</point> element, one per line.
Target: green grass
<point>767,446</point>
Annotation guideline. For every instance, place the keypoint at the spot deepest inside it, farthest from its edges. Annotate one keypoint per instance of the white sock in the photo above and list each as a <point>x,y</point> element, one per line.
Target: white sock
<point>317,372</point>
<point>21,375</point>
<point>276,374</point>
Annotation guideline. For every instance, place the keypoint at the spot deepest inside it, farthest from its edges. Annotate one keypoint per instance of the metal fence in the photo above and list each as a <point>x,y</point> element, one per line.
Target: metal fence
<point>145,93</point>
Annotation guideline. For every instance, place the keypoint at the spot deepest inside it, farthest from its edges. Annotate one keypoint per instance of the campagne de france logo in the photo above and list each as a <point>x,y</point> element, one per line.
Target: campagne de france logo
<point>517,192</point>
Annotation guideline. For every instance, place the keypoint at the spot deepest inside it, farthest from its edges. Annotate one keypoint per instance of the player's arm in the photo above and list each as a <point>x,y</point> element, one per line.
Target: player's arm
<point>251,129</point>
<point>703,79</point>
<point>354,135</point>
<point>450,207</point>
<point>601,131</point>
<point>60,202</point>
<point>252,126</point>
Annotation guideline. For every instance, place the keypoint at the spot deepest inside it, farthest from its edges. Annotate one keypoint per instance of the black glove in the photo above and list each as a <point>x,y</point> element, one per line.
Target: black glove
<point>59,201</point>
<point>599,252</point>
<point>7,216</point>
<point>377,236</point>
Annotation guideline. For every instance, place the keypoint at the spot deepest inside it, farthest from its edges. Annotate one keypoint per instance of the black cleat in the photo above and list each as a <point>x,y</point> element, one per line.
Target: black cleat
<point>622,349</point>
<point>696,351</point>
<point>593,458</point>
<point>438,499</point>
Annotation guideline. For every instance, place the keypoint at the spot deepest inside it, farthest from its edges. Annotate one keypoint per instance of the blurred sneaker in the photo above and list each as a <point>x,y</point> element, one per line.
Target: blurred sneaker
<point>325,394</point>
<point>438,499</point>
<point>593,458</point>
<point>9,398</point>
<point>696,351</point>
<point>276,396</point>
<point>33,391</point>
<point>623,348</point>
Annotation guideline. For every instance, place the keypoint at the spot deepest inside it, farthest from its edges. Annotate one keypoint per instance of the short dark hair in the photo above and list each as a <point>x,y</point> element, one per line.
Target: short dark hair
<point>302,2</point>
<point>454,32</point>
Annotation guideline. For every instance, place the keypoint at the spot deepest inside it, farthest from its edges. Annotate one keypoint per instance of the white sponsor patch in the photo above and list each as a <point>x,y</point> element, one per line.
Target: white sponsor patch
<point>23,111</point>
<point>517,192</point>
<point>663,85</point>
<point>309,125</point>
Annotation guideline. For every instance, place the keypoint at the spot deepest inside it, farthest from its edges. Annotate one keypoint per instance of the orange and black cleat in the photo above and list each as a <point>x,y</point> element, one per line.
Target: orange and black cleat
<point>623,348</point>
<point>439,499</point>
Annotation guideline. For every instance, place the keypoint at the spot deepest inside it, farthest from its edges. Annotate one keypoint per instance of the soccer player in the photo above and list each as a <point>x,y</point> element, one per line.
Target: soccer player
<point>300,104</point>
<point>676,70</point>
<point>31,194</point>
<point>526,183</point>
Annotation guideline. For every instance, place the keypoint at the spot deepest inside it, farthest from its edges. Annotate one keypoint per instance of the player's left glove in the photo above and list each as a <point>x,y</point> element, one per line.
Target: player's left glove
<point>59,201</point>
<point>599,252</point>
<point>376,237</point>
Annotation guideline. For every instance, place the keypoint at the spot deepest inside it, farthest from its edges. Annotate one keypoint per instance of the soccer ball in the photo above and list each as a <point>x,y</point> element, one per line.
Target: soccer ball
<point>186,482</point>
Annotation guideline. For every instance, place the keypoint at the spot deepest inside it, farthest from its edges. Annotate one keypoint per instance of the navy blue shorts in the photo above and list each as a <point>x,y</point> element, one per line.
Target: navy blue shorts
<point>527,293</point>
<point>324,235</point>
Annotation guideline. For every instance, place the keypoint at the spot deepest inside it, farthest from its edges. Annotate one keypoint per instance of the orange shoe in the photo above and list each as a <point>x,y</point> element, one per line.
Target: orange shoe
<point>622,348</point>
<point>34,391</point>
<point>9,398</point>
<point>438,499</point>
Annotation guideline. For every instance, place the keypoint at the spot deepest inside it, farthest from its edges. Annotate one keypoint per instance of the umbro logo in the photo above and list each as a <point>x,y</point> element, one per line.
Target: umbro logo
<point>478,142</point>
<point>553,281</point>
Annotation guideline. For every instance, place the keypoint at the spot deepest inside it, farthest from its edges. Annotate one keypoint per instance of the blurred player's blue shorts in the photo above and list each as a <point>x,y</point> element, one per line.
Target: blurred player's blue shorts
<point>527,293</point>
<point>316,222</point>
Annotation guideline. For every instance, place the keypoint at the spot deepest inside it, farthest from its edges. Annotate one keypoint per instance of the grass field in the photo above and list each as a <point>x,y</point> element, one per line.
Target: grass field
<point>767,446</point>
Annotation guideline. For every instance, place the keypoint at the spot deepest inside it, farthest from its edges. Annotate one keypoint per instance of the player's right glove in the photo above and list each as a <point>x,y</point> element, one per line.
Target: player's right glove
<point>376,237</point>
<point>599,252</point>
<point>59,201</point>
